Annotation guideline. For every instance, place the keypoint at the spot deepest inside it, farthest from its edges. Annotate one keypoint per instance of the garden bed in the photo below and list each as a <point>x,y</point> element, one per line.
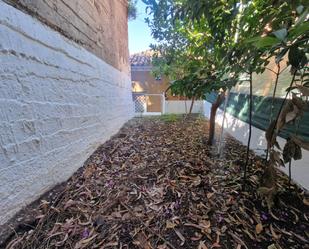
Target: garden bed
<point>156,184</point>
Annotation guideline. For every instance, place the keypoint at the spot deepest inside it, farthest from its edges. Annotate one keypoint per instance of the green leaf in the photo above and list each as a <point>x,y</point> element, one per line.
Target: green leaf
<point>302,18</point>
<point>300,9</point>
<point>298,30</point>
<point>297,57</point>
<point>281,34</point>
<point>263,42</point>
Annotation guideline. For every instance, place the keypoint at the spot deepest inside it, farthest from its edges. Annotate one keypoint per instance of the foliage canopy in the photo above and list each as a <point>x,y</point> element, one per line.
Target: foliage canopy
<point>132,9</point>
<point>206,45</point>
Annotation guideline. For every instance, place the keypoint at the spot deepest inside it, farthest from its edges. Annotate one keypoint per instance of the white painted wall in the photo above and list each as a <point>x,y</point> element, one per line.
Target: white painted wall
<point>58,103</point>
<point>240,130</point>
<point>182,106</point>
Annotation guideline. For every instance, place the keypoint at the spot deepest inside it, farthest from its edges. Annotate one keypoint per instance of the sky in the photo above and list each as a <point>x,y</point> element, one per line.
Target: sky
<point>139,32</point>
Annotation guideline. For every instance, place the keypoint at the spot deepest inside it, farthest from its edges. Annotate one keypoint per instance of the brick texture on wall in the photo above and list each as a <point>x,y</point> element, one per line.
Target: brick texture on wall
<point>91,23</point>
<point>58,103</point>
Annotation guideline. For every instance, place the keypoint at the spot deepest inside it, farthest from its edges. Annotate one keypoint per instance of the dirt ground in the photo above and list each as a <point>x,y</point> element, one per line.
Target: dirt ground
<point>156,184</point>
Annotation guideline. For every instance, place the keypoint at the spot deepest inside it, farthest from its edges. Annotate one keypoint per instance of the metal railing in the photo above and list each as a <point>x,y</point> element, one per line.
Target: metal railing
<point>148,104</point>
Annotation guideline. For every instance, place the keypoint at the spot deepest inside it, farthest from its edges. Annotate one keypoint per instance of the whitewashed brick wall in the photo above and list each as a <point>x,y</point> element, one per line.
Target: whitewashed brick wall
<point>183,106</point>
<point>58,103</point>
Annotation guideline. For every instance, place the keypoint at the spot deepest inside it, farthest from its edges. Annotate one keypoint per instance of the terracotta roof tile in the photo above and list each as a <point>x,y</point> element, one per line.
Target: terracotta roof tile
<point>141,59</point>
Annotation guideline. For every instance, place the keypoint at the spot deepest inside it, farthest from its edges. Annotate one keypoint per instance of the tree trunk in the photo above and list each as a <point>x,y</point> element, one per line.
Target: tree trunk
<point>212,120</point>
<point>192,103</point>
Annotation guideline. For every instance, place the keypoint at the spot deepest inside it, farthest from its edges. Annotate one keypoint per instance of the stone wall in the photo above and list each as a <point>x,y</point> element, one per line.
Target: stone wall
<point>91,23</point>
<point>58,103</point>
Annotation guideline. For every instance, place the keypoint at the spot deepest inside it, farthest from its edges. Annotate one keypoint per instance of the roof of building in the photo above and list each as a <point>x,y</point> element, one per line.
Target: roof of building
<point>141,59</point>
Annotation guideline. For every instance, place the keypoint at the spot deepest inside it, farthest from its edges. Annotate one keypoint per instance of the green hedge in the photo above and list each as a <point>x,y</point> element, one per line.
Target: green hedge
<point>238,106</point>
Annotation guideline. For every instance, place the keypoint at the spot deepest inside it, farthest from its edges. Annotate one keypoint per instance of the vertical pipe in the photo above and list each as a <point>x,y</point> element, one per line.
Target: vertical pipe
<point>223,121</point>
<point>163,103</point>
<point>250,133</point>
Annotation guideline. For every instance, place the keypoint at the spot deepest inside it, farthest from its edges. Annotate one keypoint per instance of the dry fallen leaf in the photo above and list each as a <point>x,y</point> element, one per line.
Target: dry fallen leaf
<point>164,246</point>
<point>154,177</point>
<point>197,181</point>
<point>202,245</point>
<point>273,233</point>
<point>259,228</point>
<point>180,236</point>
<point>272,246</point>
<point>143,241</point>
<point>170,225</point>
<point>215,245</point>
<point>306,201</point>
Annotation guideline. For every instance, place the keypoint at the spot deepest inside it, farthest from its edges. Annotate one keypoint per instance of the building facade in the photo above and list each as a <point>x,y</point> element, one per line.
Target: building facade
<point>144,83</point>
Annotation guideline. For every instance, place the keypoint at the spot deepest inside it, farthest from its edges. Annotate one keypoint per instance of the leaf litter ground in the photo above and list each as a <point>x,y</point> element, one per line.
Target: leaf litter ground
<point>156,184</point>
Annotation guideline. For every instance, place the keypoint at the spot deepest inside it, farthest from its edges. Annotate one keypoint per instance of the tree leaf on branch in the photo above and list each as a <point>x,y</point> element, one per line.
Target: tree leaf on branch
<point>288,151</point>
<point>298,153</point>
<point>297,57</point>
<point>291,110</point>
<point>263,42</point>
<point>281,34</point>
<point>270,134</point>
<point>275,159</point>
<point>302,143</point>
<point>302,18</point>
<point>290,116</point>
<point>298,30</point>
<point>300,9</point>
<point>288,108</point>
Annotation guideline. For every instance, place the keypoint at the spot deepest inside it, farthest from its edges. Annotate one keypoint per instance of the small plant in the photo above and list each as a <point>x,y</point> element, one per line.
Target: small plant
<point>290,41</point>
<point>170,118</point>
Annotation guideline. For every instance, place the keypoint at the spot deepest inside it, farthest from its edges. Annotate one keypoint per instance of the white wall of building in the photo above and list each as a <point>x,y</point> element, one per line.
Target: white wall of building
<point>58,103</point>
<point>182,106</point>
<point>240,130</point>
